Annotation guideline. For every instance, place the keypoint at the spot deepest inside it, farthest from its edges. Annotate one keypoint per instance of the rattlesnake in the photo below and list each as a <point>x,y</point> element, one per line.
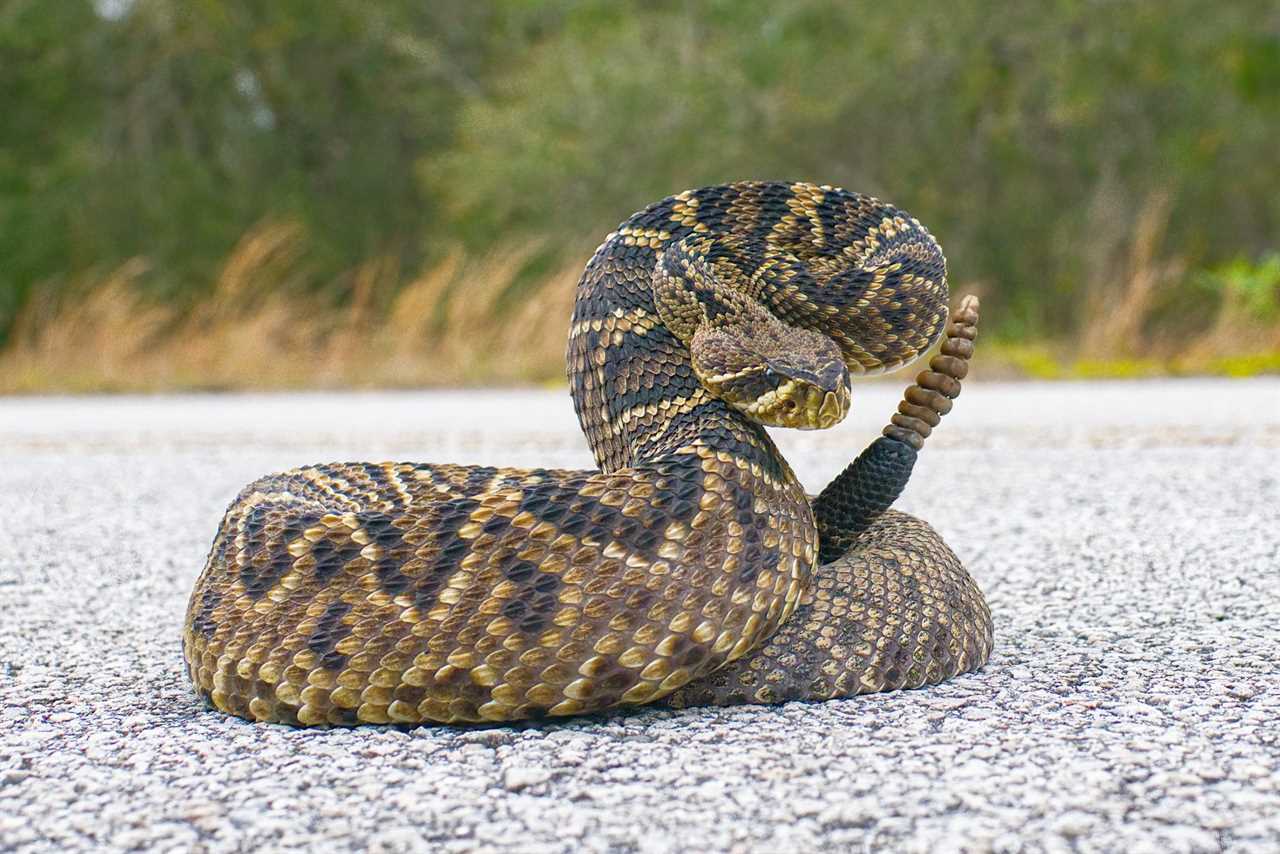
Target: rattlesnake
<point>686,569</point>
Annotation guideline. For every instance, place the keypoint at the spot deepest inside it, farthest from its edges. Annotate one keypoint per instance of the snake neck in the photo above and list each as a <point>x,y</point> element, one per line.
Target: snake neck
<point>817,258</point>
<point>633,388</point>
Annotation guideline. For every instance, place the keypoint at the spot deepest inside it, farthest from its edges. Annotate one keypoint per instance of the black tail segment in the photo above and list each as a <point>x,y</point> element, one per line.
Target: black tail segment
<point>860,493</point>
<point>877,477</point>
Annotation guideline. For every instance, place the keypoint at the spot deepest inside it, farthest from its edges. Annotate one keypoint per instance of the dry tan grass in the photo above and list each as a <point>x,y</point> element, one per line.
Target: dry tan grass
<point>465,321</point>
<point>445,327</point>
<point>1122,298</point>
<point>1236,330</point>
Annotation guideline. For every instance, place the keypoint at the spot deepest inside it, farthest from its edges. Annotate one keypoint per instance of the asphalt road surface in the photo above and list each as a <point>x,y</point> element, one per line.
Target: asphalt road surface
<point>1125,534</point>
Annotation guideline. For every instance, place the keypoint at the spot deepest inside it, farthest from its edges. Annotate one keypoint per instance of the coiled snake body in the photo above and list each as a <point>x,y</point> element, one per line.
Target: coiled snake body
<point>686,569</point>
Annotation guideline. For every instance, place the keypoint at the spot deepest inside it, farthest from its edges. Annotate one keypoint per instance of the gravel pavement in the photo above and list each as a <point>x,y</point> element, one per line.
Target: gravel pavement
<point>1125,534</point>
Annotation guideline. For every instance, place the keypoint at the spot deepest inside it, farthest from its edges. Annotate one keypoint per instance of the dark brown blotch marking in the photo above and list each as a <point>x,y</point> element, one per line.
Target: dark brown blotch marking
<point>328,632</point>
<point>383,532</point>
<point>383,489</point>
<point>478,477</point>
<point>331,556</point>
<point>255,521</point>
<point>563,505</point>
<point>259,575</point>
<point>641,369</point>
<point>547,501</point>
<point>519,571</point>
<point>450,549</point>
<point>410,694</point>
<point>612,680</point>
<point>202,622</point>
<point>534,603</point>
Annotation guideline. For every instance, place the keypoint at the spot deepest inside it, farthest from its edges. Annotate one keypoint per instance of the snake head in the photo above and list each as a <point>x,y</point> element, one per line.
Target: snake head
<point>776,374</point>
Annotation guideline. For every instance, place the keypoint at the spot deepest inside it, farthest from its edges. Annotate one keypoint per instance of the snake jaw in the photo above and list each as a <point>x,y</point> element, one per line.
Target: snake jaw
<point>835,406</point>
<point>801,405</point>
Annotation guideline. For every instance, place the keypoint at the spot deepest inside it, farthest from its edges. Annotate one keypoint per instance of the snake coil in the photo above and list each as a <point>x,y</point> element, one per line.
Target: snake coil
<point>690,568</point>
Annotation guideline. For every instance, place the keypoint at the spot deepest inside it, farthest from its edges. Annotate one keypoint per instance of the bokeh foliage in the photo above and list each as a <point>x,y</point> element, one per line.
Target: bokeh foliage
<point>1032,138</point>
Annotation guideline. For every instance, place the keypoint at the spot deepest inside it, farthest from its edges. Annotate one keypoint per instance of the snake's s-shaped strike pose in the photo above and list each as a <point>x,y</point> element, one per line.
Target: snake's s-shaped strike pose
<point>691,568</point>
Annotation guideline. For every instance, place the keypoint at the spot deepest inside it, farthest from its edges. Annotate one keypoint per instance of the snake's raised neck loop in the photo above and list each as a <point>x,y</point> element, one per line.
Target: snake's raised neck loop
<point>696,284</point>
<point>813,258</point>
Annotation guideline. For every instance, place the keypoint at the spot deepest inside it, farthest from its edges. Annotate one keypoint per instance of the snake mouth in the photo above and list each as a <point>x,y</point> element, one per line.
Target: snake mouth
<point>835,406</point>
<point>801,406</point>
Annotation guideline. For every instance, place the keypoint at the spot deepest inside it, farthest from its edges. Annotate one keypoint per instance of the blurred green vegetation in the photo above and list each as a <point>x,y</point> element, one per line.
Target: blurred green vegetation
<point>1103,172</point>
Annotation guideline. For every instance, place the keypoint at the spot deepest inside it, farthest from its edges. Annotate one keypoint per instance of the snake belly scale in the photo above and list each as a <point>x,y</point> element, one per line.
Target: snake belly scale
<point>686,569</point>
